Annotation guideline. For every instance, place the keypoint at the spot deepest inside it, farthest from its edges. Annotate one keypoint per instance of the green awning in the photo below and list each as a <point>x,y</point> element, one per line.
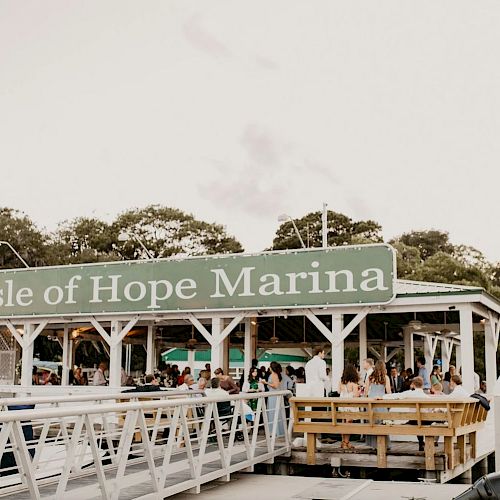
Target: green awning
<point>235,357</point>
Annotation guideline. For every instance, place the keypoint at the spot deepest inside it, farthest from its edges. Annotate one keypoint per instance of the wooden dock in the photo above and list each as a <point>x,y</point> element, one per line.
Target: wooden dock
<point>401,455</point>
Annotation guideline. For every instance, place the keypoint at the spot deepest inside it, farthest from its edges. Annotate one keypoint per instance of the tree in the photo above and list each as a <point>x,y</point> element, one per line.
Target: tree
<point>85,240</point>
<point>428,242</point>
<point>445,268</point>
<point>409,261</point>
<point>342,230</point>
<point>20,231</point>
<point>168,231</point>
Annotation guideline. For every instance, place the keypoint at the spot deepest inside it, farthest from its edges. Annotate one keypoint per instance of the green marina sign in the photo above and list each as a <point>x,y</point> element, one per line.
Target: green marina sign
<point>338,276</point>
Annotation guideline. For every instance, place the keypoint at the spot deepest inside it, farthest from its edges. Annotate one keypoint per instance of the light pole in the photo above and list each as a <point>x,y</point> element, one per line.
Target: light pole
<point>16,253</point>
<point>126,236</point>
<point>286,217</point>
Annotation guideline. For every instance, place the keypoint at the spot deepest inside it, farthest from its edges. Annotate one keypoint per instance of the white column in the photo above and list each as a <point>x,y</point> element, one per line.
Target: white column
<point>115,356</point>
<point>150,348</point>
<point>467,348</point>
<point>490,356</point>
<point>409,356</point>
<point>445,356</point>
<point>429,361</point>
<point>363,346</point>
<point>217,351</point>
<point>458,357</point>
<point>496,390</point>
<point>337,351</point>
<point>247,354</point>
<point>190,360</point>
<point>66,357</point>
<point>27,357</point>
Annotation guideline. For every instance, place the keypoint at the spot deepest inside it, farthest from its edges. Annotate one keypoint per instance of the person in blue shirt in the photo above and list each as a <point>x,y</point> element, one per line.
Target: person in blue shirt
<point>422,372</point>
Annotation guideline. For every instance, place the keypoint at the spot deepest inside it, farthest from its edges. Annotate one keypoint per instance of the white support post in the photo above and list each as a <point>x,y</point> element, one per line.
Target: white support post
<point>190,360</point>
<point>115,355</point>
<point>217,353</point>
<point>467,348</point>
<point>409,353</point>
<point>458,357</point>
<point>150,354</point>
<point>248,355</point>
<point>446,349</point>
<point>66,357</point>
<point>491,344</point>
<point>428,352</point>
<point>363,346</point>
<point>27,356</point>
<point>337,351</point>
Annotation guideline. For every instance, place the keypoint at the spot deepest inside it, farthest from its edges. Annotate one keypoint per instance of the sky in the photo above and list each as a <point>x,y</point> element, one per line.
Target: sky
<point>239,111</point>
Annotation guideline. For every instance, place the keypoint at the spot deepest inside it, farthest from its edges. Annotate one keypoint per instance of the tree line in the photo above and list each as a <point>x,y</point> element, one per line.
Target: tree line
<point>421,255</point>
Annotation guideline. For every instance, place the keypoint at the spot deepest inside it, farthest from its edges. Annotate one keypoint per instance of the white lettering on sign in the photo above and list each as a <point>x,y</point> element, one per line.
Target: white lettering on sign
<point>141,288</point>
<point>96,293</point>
<point>271,285</point>
<point>24,293</point>
<point>70,287</point>
<point>220,275</point>
<point>378,279</point>
<point>53,295</point>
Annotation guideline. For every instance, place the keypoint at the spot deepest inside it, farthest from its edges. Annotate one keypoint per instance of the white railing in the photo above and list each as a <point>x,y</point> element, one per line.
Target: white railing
<point>110,396</point>
<point>158,447</point>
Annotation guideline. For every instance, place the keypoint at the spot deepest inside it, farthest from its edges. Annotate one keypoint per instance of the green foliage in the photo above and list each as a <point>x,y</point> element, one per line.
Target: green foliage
<point>85,240</point>
<point>164,231</point>
<point>342,230</point>
<point>427,242</point>
<point>168,231</point>
<point>20,231</point>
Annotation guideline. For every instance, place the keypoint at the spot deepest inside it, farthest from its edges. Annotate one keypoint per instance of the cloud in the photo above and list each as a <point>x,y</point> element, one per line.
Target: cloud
<point>265,63</point>
<point>202,39</point>
<point>260,145</point>
<point>270,172</point>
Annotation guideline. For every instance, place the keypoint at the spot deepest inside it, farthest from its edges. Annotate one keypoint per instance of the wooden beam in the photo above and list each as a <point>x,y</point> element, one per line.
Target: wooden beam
<point>382,452</point>
<point>430,449</point>
<point>311,448</point>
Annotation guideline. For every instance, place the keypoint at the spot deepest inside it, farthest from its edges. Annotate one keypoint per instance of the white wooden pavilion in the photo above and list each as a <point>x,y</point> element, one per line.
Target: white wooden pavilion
<point>338,290</point>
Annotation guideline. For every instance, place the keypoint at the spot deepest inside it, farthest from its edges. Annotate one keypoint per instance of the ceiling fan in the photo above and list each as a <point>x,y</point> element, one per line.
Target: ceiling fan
<point>191,343</point>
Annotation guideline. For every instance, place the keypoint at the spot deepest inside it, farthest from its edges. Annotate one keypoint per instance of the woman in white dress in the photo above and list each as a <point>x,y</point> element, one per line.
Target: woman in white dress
<point>348,388</point>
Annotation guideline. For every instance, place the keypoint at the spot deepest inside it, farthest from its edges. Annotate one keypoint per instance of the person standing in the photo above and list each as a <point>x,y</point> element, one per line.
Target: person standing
<point>396,380</point>
<point>316,376</point>
<point>378,385</point>
<point>253,385</point>
<point>99,378</point>
<point>422,372</point>
<point>275,383</point>
<point>348,388</point>
<point>368,369</point>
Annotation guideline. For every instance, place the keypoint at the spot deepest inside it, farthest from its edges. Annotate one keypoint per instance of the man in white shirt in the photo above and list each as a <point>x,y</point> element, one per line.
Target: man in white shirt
<point>316,376</point>
<point>368,369</point>
<point>457,390</point>
<point>189,383</point>
<point>99,378</point>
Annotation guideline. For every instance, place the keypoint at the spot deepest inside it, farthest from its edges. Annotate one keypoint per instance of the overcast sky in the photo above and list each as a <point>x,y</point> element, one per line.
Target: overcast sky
<point>238,111</point>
